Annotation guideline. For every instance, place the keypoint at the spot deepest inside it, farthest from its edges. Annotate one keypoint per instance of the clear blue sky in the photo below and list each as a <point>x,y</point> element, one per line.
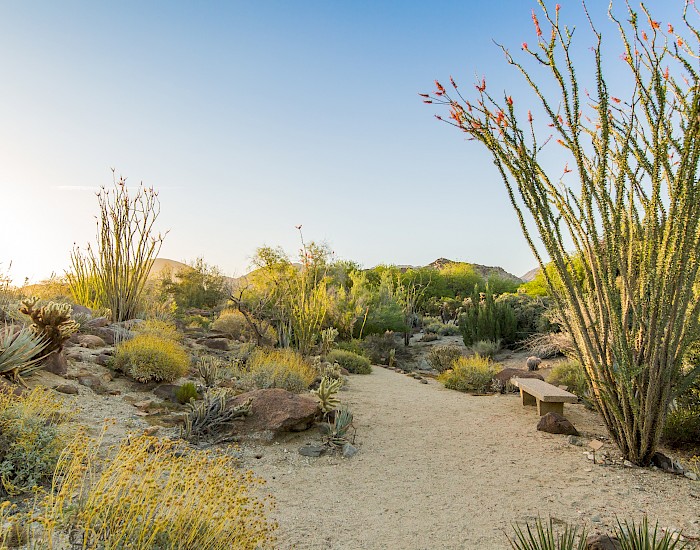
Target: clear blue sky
<point>253,117</point>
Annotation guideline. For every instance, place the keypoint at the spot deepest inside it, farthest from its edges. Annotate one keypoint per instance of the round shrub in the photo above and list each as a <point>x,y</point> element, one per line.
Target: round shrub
<point>277,368</point>
<point>149,357</point>
<point>378,346</point>
<point>486,348</point>
<point>470,374</point>
<point>441,358</point>
<point>569,373</point>
<point>350,361</point>
<point>232,323</point>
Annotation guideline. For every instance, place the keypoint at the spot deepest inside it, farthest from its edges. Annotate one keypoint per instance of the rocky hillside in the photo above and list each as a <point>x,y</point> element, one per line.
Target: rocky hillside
<point>484,270</point>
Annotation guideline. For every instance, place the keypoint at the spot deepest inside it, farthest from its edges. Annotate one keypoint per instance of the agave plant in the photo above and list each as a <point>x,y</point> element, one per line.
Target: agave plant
<point>336,434</point>
<point>640,537</point>
<point>20,352</point>
<point>542,537</point>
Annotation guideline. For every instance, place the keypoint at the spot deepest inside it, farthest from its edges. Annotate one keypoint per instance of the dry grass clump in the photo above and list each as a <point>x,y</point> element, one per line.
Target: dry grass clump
<point>571,374</point>
<point>277,368</point>
<point>30,439</point>
<point>154,494</point>
<point>149,357</point>
<point>470,374</point>
<point>549,344</point>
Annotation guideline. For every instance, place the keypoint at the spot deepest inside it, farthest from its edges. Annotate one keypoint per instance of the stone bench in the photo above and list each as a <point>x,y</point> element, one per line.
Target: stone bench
<point>548,398</point>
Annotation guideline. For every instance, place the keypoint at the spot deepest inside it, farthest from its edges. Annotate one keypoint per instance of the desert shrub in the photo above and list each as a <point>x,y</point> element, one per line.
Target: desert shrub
<point>183,499</point>
<point>196,320</point>
<point>470,374</point>
<point>211,418</point>
<point>197,285</point>
<point>549,344</point>
<point>486,348</point>
<point>356,364</point>
<point>682,426</point>
<point>30,440</point>
<point>532,314</point>
<point>232,323</point>
<point>378,346</point>
<point>484,318</point>
<point>429,338</point>
<point>159,328</point>
<point>441,358</point>
<point>353,345</point>
<point>383,318</point>
<point>435,326</point>
<point>571,374</point>
<point>277,368</point>
<point>186,392</point>
<point>448,329</point>
<point>147,357</point>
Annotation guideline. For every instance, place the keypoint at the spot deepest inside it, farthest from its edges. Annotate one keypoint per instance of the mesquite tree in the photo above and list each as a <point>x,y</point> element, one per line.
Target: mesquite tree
<point>627,204</point>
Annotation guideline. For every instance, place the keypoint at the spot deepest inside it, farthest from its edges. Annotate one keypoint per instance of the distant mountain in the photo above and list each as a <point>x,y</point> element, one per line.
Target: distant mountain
<point>530,275</point>
<point>161,264</point>
<point>484,270</point>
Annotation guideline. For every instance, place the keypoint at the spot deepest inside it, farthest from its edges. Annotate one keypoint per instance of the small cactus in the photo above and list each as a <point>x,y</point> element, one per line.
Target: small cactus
<point>327,394</point>
<point>51,322</point>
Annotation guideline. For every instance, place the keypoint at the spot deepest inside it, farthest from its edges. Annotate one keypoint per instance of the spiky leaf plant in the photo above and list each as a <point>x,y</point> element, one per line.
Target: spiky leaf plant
<point>51,321</point>
<point>626,202</point>
<point>542,537</point>
<point>641,537</point>
<point>20,352</point>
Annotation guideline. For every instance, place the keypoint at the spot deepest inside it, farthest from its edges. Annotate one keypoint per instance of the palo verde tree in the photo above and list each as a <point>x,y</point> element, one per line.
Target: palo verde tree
<point>628,203</point>
<point>114,274</point>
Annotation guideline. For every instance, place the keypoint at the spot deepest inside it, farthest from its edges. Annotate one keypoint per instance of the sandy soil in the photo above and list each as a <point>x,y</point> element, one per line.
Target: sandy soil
<point>442,469</point>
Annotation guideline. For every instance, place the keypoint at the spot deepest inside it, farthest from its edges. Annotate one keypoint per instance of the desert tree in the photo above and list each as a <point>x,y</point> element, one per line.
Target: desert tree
<point>114,274</point>
<point>626,203</point>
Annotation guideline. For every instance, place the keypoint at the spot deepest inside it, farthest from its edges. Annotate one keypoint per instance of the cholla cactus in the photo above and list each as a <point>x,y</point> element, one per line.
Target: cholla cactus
<point>209,417</point>
<point>327,394</point>
<point>52,322</point>
<point>328,336</point>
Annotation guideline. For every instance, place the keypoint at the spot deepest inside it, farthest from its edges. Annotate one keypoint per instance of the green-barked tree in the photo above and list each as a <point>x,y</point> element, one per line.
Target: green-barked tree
<point>627,204</point>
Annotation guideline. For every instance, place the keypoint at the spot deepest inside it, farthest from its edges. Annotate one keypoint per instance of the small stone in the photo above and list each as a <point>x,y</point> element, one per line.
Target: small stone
<point>349,450</point>
<point>602,542</point>
<point>91,381</point>
<point>311,450</point>
<point>143,404</point>
<point>691,475</point>
<point>576,440</point>
<point>590,456</point>
<point>151,430</point>
<point>103,359</point>
<point>89,341</point>
<point>596,519</point>
<point>68,389</point>
<point>628,464</point>
<point>423,381</point>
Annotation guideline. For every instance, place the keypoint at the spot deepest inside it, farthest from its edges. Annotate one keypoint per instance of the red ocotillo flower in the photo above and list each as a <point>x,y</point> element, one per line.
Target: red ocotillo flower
<point>537,24</point>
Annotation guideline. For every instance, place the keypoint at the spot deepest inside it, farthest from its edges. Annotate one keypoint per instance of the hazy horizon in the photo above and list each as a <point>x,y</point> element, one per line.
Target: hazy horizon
<point>252,118</point>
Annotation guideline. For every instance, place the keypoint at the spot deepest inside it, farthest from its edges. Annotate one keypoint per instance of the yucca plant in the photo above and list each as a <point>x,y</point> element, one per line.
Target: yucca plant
<point>20,352</point>
<point>620,220</point>
<point>542,537</point>
<point>641,537</point>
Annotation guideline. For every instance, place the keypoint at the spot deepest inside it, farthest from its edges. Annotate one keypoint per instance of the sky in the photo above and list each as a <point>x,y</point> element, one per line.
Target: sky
<point>251,118</point>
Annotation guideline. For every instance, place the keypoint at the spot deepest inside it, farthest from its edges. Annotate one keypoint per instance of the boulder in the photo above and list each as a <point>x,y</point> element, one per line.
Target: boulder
<point>554,423</point>
<point>108,334</point>
<point>167,392</point>
<point>533,363</point>
<point>215,343</point>
<point>276,410</point>
<point>602,542</point>
<point>91,381</point>
<point>507,374</point>
<point>103,359</point>
<point>91,341</point>
<point>81,310</point>
<point>97,322</point>
<point>56,363</point>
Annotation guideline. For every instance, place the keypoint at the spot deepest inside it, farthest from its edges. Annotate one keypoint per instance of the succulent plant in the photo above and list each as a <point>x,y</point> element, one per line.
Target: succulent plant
<point>20,352</point>
<point>52,322</point>
<point>327,394</point>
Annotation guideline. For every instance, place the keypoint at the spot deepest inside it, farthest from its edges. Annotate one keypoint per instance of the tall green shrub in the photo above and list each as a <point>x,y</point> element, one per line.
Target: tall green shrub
<point>626,199</point>
<point>484,318</point>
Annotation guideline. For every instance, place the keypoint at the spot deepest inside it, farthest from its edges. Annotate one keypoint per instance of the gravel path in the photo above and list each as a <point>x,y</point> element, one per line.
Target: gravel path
<point>442,469</point>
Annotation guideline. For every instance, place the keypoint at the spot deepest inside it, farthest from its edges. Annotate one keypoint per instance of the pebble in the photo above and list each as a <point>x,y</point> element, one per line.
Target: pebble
<point>691,475</point>
<point>628,464</point>
<point>349,450</point>
<point>596,519</point>
<point>311,450</point>
<point>423,381</point>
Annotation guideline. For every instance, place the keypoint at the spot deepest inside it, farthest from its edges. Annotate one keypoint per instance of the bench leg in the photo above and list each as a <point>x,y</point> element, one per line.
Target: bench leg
<point>527,398</point>
<point>543,407</point>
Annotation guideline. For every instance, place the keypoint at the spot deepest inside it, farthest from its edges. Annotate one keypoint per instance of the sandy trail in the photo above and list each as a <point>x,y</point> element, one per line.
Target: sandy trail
<point>442,469</point>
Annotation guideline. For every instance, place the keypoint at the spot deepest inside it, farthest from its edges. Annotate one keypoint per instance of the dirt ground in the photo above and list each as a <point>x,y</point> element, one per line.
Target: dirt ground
<point>442,469</point>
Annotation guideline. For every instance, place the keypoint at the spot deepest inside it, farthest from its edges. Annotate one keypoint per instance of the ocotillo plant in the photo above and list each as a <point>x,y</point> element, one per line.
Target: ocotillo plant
<point>127,246</point>
<point>627,201</point>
